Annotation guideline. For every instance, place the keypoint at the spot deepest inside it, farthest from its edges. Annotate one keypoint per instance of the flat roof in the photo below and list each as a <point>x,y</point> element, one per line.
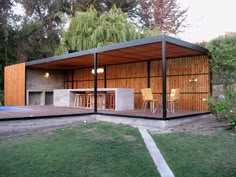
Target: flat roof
<point>124,52</point>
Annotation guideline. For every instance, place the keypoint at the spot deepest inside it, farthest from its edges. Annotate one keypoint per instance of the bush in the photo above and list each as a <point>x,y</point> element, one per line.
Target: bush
<point>232,123</point>
<point>221,108</point>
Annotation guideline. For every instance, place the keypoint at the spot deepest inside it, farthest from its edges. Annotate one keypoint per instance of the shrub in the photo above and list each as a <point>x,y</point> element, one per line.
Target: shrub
<point>221,108</point>
<point>232,123</point>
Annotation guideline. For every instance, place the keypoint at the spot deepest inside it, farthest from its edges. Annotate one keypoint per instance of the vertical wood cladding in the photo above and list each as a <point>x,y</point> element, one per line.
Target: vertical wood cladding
<point>14,85</point>
<point>190,74</point>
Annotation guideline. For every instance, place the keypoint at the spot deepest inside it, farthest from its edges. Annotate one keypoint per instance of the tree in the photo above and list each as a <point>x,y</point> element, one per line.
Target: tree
<point>89,30</point>
<point>43,19</point>
<point>7,36</point>
<point>223,59</point>
<point>40,32</point>
<point>166,15</point>
<point>223,65</point>
<point>127,6</point>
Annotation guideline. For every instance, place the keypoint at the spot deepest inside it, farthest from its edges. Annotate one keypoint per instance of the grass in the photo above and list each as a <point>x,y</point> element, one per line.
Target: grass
<point>195,155</point>
<point>91,150</point>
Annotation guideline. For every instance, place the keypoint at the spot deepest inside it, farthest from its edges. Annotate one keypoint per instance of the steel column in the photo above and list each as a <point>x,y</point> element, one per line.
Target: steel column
<point>148,75</point>
<point>95,82</point>
<point>164,78</point>
<point>105,76</point>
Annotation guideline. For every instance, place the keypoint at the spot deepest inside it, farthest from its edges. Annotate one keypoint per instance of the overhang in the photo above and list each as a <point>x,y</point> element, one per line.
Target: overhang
<point>125,52</point>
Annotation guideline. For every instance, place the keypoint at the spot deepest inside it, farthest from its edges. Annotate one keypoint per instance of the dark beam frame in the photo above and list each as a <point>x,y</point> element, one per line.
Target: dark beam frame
<point>95,82</point>
<point>122,45</point>
<point>164,78</point>
<point>163,39</point>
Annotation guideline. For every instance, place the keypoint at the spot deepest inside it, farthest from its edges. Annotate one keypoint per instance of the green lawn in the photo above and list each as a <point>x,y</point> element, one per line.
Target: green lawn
<point>194,155</point>
<point>91,150</point>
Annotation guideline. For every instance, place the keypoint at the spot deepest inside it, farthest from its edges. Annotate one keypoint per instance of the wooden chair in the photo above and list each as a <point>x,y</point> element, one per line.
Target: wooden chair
<point>174,97</point>
<point>148,98</point>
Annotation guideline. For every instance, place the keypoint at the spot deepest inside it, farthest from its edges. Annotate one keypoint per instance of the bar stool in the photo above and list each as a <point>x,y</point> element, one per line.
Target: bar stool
<point>89,100</point>
<point>79,100</point>
<point>110,100</point>
<point>101,101</point>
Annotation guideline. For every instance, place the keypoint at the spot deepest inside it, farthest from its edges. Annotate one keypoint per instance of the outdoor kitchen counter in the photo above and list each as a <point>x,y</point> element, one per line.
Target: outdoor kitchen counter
<point>124,97</point>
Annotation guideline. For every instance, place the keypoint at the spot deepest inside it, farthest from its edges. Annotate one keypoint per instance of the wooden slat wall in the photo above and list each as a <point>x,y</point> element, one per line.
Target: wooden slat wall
<point>179,72</point>
<point>83,78</point>
<point>69,79</point>
<point>135,75</point>
<point>132,75</point>
<point>14,85</point>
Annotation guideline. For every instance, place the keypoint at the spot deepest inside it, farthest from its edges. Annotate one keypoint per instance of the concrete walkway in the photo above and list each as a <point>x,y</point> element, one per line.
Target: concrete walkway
<point>156,155</point>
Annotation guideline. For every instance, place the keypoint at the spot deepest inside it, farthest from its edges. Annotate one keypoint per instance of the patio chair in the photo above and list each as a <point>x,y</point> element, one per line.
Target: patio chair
<point>148,98</point>
<point>174,97</point>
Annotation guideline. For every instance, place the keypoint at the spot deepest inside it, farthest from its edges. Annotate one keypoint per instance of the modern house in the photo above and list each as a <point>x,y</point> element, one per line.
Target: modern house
<point>160,63</point>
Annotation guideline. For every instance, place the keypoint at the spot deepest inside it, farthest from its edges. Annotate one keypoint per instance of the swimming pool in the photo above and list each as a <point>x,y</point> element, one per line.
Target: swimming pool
<point>12,108</point>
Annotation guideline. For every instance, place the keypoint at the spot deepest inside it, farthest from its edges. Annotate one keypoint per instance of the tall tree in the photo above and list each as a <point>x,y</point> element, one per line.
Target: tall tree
<point>6,15</point>
<point>166,15</point>
<point>41,26</point>
<point>89,30</point>
<point>43,21</point>
<point>127,6</point>
<point>223,59</point>
<point>7,36</point>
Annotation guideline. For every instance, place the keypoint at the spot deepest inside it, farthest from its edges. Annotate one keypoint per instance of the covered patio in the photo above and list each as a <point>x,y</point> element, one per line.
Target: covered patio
<point>160,63</point>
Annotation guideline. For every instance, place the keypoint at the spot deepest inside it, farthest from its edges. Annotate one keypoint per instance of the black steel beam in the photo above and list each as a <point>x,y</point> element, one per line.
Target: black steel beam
<point>164,78</point>
<point>72,78</point>
<point>148,74</point>
<point>105,76</point>
<point>185,44</point>
<point>95,82</point>
<point>105,114</point>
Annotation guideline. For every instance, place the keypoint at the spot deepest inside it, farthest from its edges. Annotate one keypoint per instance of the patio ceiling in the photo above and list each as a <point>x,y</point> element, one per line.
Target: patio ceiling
<point>126,52</point>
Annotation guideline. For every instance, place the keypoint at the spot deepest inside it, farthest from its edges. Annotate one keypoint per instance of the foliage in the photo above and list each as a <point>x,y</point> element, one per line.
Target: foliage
<point>220,107</point>
<point>127,6</point>
<point>7,50</point>
<point>96,150</point>
<point>232,122</point>
<point>89,30</point>
<point>7,36</point>
<point>103,6</point>
<point>223,64</point>
<point>41,29</point>
<point>223,59</point>
<point>198,154</point>
<point>166,15</point>
<point>33,43</point>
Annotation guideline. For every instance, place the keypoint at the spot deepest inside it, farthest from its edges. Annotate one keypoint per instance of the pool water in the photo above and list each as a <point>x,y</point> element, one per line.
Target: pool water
<point>12,108</point>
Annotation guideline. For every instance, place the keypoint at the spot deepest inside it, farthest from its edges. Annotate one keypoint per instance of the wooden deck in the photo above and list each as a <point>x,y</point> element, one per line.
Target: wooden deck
<point>41,111</point>
<point>50,111</point>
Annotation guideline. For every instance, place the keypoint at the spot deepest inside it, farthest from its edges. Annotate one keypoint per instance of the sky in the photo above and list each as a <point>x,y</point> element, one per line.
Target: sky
<point>208,19</point>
